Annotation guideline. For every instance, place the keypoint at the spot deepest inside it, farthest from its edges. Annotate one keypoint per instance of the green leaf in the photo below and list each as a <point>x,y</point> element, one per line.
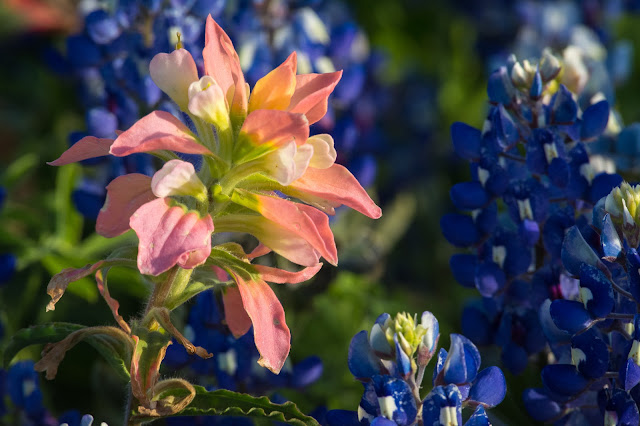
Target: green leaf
<point>19,169</point>
<point>193,288</point>
<point>68,220</point>
<point>110,348</point>
<point>222,402</point>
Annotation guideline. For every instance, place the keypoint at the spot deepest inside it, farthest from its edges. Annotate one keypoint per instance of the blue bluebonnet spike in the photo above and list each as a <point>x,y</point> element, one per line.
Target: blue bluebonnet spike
<point>3,196</point>
<point>563,379</point>
<point>443,405</point>
<point>466,140</point>
<point>594,120</point>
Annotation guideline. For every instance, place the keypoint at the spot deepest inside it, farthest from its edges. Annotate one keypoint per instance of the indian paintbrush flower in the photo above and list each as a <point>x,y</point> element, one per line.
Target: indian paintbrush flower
<point>253,143</point>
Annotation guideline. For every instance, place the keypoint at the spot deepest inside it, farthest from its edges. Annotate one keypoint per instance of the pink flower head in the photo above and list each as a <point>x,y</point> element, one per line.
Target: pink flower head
<point>253,142</point>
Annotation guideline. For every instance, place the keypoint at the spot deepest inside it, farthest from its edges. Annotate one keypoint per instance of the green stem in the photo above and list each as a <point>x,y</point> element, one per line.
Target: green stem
<point>237,174</point>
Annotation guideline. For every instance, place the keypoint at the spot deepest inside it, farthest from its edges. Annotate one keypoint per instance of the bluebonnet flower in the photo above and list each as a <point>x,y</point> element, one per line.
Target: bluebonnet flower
<point>390,361</point>
<point>109,61</point>
<point>531,176</point>
<point>597,372</point>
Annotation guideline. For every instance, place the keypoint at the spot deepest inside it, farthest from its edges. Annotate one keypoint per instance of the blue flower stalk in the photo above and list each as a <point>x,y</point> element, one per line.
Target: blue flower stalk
<point>597,332</point>
<point>109,62</point>
<point>390,361</point>
<point>531,177</point>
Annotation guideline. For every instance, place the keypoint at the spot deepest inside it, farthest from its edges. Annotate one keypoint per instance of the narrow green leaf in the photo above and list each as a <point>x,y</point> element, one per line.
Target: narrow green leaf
<point>222,402</point>
<point>110,348</point>
<point>68,220</point>
<point>19,168</point>
<point>193,289</point>
<point>37,334</point>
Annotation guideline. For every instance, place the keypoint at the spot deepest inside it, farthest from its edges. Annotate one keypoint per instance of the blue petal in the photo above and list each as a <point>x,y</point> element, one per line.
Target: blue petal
<point>499,87</point>
<point>363,363</point>
<point>565,109</point>
<point>459,229</point>
<point>602,301</point>
<point>463,361</point>
<point>478,418</point>
<point>550,329</point>
<point>306,372</point>
<point>466,140</point>
<point>563,379</point>
<point>101,27</point>
<point>403,362</point>
<point>469,195</point>
<point>540,406</point>
<point>536,86</point>
<point>395,399</point>
<point>101,123</point>
<point>594,120</point>
<point>576,251</point>
<point>505,127</point>
<point>629,374</point>
<point>489,279</point>
<point>383,421</point>
<point>82,52</point>
<point>442,398</point>
<point>476,326</point>
<point>342,418</point>
<point>489,388</point>
<point>529,231</point>
<point>596,353</point>
<point>611,244</point>
<point>487,219</point>
<point>558,172</point>
<point>463,267</point>
<point>570,315</point>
